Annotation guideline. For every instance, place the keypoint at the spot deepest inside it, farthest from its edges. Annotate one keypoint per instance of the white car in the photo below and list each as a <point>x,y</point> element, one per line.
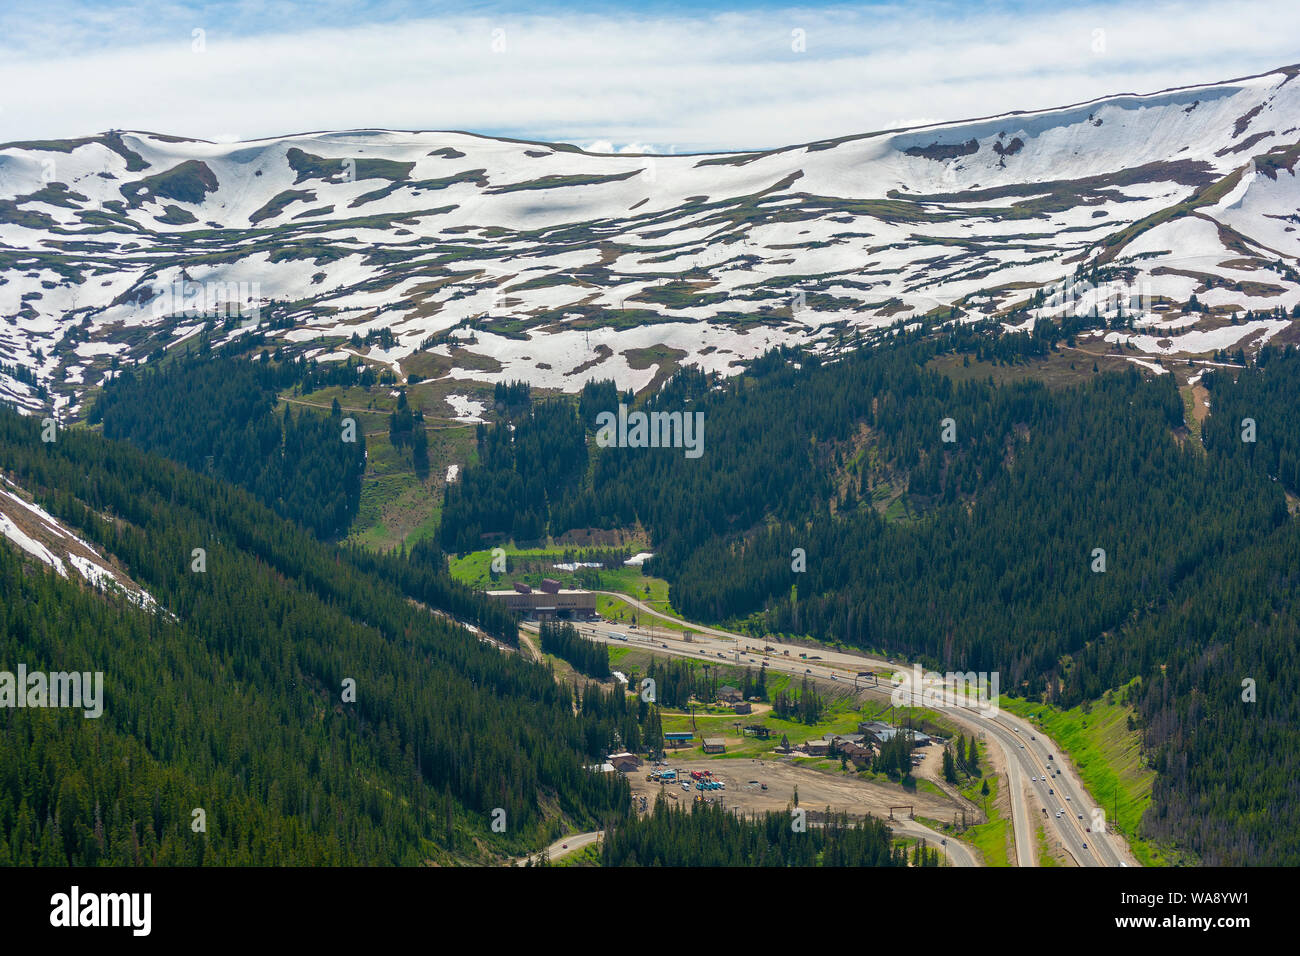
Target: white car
<point>1067,796</point>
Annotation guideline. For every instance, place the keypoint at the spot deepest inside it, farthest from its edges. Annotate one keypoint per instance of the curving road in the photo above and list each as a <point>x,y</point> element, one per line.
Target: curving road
<point>958,853</point>
<point>564,846</point>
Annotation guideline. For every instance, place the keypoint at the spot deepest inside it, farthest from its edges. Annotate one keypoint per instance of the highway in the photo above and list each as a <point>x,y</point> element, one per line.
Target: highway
<point>1024,749</point>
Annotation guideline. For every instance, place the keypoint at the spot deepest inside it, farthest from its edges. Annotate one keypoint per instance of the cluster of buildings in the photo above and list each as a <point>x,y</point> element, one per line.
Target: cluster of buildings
<point>732,697</point>
<point>617,763</point>
<point>880,732</point>
<point>861,747</point>
<point>684,738</point>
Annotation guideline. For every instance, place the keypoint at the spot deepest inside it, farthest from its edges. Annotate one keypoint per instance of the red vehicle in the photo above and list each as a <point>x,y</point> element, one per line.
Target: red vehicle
<point>695,775</point>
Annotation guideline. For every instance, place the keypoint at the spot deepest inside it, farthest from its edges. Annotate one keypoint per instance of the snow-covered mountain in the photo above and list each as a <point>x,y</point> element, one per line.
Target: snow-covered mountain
<point>476,258</point>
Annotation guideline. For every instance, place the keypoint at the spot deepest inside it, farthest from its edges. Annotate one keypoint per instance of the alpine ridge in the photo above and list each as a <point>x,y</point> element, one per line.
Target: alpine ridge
<point>1165,216</point>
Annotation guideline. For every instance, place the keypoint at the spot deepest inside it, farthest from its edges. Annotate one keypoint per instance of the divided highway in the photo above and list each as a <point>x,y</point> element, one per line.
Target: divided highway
<point>1025,751</point>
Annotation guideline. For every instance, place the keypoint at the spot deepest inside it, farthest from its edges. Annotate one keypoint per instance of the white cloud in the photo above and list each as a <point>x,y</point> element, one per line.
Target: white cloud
<point>605,146</point>
<point>694,82</point>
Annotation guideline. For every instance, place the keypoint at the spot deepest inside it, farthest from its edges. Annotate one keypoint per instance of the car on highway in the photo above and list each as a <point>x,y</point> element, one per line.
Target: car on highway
<point>1085,846</point>
<point>564,846</point>
<point>1050,790</point>
<point>1067,796</point>
<point>807,670</point>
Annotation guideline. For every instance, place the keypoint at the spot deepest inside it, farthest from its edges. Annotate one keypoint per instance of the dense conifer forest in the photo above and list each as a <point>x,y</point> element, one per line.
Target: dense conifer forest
<point>564,641</point>
<point>709,835</point>
<point>215,413</point>
<point>230,697</point>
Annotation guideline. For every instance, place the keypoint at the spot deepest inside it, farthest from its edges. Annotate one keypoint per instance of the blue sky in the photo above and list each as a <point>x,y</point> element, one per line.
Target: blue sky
<point>661,75</point>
